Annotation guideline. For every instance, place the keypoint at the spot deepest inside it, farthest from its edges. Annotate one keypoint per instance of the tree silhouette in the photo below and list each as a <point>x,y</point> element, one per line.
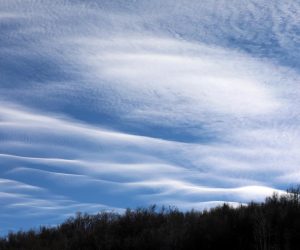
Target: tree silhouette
<point>271,225</point>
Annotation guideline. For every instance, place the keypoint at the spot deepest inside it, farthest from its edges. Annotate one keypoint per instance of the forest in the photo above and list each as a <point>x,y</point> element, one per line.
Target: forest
<point>270,225</point>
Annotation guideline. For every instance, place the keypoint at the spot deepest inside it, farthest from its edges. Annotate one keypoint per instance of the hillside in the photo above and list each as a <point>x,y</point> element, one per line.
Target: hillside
<point>274,224</point>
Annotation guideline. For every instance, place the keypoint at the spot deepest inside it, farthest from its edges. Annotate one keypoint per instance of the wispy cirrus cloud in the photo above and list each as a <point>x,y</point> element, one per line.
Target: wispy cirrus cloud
<point>109,104</point>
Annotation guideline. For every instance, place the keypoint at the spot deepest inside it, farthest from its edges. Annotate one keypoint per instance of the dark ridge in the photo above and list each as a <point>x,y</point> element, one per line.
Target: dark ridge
<point>271,225</point>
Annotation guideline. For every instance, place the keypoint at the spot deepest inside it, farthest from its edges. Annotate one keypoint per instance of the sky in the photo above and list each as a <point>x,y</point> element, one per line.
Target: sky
<point>111,104</point>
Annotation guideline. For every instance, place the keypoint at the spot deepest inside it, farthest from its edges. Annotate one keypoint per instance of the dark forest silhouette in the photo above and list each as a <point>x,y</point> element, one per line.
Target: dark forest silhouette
<point>271,225</point>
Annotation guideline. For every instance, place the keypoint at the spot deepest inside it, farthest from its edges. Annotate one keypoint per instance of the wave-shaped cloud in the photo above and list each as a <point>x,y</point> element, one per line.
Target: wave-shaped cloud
<point>110,104</point>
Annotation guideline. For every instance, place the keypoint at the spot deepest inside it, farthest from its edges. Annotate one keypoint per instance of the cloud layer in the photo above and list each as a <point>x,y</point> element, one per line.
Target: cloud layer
<point>113,104</point>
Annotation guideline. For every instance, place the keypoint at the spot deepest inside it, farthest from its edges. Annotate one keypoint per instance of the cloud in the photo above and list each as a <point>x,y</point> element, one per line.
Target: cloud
<point>111,104</point>
<point>188,81</point>
<point>243,194</point>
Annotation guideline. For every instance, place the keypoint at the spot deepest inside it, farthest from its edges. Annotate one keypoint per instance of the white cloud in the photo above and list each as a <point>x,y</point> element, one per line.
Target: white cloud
<point>184,79</point>
<point>245,193</point>
<point>220,74</point>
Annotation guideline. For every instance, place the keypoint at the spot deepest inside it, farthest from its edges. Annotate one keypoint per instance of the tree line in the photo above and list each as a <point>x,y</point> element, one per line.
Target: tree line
<point>271,225</point>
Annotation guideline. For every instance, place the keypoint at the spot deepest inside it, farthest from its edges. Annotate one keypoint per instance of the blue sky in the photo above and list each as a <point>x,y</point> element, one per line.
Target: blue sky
<point>113,104</point>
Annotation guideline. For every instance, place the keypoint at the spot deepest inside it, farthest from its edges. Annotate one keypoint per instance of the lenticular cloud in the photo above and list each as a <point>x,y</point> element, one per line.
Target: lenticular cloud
<point>113,104</point>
